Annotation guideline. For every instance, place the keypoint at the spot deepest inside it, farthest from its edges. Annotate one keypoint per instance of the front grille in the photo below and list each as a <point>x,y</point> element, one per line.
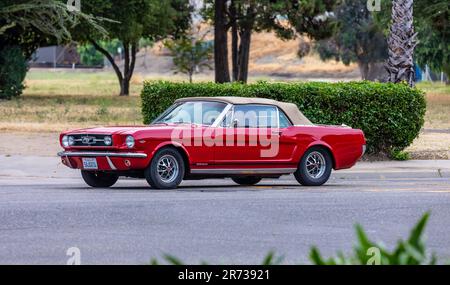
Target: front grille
<point>89,140</point>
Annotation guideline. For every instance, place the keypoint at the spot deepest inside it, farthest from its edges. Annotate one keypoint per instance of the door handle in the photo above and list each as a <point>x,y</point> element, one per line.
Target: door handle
<point>277,132</point>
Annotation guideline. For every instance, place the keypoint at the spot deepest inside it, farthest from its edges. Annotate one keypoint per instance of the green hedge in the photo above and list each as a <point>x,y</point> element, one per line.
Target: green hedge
<point>391,115</point>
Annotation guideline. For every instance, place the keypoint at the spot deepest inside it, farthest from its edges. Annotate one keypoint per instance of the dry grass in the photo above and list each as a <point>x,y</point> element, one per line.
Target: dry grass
<point>269,54</point>
<point>434,142</point>
<point>54,101</point>
<point>438,105</point>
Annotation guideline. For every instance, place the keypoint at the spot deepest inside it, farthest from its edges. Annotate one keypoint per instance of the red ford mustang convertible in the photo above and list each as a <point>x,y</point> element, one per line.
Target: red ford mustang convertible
<point>246,139</point>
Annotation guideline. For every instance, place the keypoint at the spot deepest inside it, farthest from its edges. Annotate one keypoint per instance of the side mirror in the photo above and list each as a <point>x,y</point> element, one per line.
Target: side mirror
<point>235,123</point>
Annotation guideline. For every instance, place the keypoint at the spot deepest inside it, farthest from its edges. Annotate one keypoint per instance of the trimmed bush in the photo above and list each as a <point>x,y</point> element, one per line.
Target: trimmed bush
<point>391,115</point>
<point>13,68</point>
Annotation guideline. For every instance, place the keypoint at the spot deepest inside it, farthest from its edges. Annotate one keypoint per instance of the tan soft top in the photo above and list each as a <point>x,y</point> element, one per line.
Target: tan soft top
<point>291,110</point>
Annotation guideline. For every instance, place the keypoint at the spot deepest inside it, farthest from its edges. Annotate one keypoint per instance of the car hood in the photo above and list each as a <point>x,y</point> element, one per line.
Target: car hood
<point>125,130</point>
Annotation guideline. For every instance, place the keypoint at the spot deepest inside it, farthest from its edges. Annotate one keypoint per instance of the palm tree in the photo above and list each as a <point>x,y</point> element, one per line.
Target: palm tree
<point>401,42</point>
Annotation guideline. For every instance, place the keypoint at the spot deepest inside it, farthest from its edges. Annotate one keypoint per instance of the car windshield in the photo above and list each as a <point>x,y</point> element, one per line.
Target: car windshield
<point>201,113</point>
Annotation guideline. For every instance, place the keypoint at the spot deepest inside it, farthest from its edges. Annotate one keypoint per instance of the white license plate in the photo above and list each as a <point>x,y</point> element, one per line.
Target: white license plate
<point>90,163</point>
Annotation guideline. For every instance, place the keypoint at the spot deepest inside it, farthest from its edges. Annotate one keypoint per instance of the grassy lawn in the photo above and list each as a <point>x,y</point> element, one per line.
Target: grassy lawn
<point>54,101</point>
<point>438,105</point>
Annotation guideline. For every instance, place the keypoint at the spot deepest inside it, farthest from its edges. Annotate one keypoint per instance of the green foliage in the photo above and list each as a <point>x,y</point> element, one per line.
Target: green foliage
<point>433,50</point>
<point>356,38</point>
<point>136,19</point>
<point>304,16</point>
<point>190,54</point>
<point>391,115</point>
<point>287,19</point>
<point>33,23</point>
<point>90,56</point>
<point>407,252</point>
<point>399,155</point>
<point>13,68</point>
<point>432,22</point>
<point>272,259</point>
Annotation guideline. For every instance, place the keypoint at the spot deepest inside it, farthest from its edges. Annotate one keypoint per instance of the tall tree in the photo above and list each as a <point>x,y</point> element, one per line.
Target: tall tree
<point>433,23</point>
<point>356,38</point>
<point>243,17</point>
<point>27,24</point>
<point>134,19</point>
<point>401,43</point>
<point>222,72</point>
<point>191,53</point>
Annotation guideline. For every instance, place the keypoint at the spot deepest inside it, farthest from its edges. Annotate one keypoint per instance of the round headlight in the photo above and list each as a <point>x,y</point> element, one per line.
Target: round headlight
<point>71,140</point>
<point>129,141</point>
<point>65,141</point>
<point>107,140</point>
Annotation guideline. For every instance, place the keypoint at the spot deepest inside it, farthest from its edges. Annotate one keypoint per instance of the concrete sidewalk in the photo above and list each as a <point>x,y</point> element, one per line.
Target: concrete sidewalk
<point>51,167</point>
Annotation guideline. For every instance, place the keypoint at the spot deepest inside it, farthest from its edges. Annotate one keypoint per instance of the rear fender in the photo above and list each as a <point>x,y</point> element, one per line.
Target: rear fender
<point>324,145</point>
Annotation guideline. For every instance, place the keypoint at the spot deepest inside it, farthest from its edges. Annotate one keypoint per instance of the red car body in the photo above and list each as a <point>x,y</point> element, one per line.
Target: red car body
<point>344,145</point>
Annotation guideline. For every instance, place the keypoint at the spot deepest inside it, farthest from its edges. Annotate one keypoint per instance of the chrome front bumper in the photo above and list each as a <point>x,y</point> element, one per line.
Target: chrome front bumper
<point>102,154</point>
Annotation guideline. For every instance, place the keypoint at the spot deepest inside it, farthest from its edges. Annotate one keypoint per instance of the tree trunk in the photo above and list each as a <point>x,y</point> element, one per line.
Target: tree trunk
<point>244,54</point>
<point>446,69</point>
<point>129,64</point>
<point>234,42</point>
<point>222,72</point>
<point>364,69</point>
<point>190,74</point>
<point>111,60</point>
<point>401,42</point>
<point>125,88</point>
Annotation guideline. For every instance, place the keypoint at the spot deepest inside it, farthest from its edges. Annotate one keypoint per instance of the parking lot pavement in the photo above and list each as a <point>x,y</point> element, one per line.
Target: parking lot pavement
<point>45,209</point>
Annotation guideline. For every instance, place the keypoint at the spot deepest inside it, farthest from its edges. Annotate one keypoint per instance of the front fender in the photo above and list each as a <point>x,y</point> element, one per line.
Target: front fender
<point>169,143</point>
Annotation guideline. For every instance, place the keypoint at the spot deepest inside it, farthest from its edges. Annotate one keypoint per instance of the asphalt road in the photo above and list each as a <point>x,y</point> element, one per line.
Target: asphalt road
<point>46,209</point>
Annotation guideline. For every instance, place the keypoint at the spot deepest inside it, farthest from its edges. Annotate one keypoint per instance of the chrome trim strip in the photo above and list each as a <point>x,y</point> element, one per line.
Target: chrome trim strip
<point>244,171</point>
<point>221,116</point>
<point>278,118</point>
<point>102,154</point>
<point>68,161</point>
<point>111,164</point>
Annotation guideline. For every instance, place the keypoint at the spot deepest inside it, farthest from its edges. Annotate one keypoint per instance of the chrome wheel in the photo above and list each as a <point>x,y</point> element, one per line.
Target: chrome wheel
<point>315,165</point>
<point>167,168</point>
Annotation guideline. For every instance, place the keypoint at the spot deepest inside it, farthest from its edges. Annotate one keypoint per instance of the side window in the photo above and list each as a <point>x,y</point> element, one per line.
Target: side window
<point>284,121</point>
<point>255,116</point>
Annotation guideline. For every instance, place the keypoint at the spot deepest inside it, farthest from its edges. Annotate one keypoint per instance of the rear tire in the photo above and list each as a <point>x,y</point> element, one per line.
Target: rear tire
<point>246,180</point>
<point>166,170</point>
<point>315,167</point>
<point>99,179</point>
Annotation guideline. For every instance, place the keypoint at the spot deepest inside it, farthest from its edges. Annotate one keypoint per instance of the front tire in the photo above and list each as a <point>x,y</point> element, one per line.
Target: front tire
<point>166,170</point>
<point>99,179</point>
<point>246,180</point>
<point>315,167</point>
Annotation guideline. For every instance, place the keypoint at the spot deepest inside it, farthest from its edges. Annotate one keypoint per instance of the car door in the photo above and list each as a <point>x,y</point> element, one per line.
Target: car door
<point>251,137</point>
<point>191,127</point>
